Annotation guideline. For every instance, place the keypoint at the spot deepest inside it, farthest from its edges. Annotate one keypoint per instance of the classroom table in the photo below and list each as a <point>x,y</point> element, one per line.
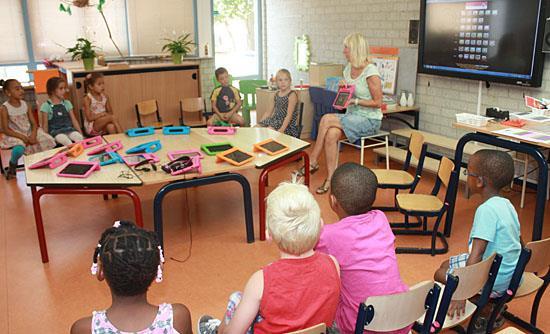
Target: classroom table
<point>44,181</point>
<point>395,113</point>
<point>214,172</point>
<point>487,135</point>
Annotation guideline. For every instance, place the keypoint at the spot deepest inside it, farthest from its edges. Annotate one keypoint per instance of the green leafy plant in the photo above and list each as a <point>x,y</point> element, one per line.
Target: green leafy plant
<point>83,49</point>
<point>180,45</point>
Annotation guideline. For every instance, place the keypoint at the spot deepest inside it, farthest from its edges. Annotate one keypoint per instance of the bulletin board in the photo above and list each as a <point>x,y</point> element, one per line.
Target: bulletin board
<point>387,66</point>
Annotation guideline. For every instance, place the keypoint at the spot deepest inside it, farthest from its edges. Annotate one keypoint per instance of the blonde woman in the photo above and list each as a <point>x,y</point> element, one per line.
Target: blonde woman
<point>363,116</point>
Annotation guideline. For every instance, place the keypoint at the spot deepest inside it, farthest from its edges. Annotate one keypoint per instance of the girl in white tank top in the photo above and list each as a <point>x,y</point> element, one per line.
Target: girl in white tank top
<point>98,115</point>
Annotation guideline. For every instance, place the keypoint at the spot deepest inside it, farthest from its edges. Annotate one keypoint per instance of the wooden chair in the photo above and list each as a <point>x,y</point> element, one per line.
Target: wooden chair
<point>317,329</point>
<point>192,111</point>
<point>535,268</point>
<point>471,280</point>
<point>401,179</point>
<point>148,109</point>
<point>424,206</point>
<point>248,89</point>
<point>394,312</point>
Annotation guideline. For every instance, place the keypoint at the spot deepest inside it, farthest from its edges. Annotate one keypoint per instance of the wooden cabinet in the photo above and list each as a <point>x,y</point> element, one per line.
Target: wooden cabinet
<point>168,85</point>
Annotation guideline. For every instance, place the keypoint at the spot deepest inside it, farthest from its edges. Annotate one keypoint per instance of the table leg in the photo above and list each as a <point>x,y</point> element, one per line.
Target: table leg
<point>416,119</point>
<point>37,194</point>
<point>262,184</point>
<point>182,184</point>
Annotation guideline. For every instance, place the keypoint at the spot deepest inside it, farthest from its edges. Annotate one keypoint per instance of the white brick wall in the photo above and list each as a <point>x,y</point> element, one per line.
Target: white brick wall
<point>384,23</point>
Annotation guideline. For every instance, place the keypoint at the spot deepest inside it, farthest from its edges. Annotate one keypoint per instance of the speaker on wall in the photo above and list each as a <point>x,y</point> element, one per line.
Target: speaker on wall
<point>413,31</point>
<point>546,39</point>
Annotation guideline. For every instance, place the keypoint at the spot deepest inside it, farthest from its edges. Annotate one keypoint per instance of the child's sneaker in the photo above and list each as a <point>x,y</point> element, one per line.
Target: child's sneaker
<point>208,325</point>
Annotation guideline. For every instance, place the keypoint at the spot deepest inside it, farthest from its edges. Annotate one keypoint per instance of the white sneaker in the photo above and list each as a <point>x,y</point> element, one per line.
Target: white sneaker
<point>208,325</point>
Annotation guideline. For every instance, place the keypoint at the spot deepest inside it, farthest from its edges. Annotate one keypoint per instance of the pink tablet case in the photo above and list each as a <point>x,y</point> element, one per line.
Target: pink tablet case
<point>114,146</point>
<point>91,142</point>
<point>147,156</point>
<point>95,166</point>
<point>221,130</point>
<point>172,155</point>
<point>51,162</point>
<point>196,165</point>
<point>348,89</point>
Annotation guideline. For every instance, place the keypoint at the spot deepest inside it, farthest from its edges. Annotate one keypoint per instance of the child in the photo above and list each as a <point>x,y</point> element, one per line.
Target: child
<point>19,126</point>
<point>98,114</point>
<point>299,290</point>
<point>496,225</point>
<point>226,101</point>
<point>283,117</point>
<point>129,259</point>
<point>362,242</point>
<point>57,114</point>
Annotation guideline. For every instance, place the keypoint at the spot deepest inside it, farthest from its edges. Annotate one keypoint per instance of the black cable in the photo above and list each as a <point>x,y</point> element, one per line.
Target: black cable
<point>190,231</point>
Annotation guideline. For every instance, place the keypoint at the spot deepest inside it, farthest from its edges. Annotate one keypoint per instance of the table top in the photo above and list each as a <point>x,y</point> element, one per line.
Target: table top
<point>107,176</point>
<point>494,126</point>
<point>244,138</point>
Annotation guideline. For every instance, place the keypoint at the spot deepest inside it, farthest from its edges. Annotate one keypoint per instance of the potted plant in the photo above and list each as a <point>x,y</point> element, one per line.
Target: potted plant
<point>85,50</point>
<point>178,47</point>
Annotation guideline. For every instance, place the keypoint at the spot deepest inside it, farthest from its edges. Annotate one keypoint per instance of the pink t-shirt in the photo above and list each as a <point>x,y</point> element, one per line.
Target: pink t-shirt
<point>364,248</point>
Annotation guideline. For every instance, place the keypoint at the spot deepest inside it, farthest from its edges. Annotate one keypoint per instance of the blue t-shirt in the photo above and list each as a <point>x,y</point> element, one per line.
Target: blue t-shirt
<point>496,221</point>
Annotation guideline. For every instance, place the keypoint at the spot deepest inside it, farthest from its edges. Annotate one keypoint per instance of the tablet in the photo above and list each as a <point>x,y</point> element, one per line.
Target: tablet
<point>221,130</point>
<point>213,149</point>
<point>270,146</point>
<point>176,130</point>
<point>113,146</point>
<point>134,159</point>
<point>137,132</point>
<point>75,150</point>
<point>78,169</point>
<point>343,97</point>
<point>106,158</point>
<point>235,156</point>
<point>149,147</point>
<point>52,162</point>
<point>91,142</point>
<point>174,155</point>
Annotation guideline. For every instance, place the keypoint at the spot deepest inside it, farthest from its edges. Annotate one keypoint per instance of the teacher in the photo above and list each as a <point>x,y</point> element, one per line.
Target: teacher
<point>363,115</point>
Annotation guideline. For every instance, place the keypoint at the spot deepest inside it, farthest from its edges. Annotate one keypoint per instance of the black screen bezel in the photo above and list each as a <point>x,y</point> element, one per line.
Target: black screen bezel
<point>536,79</point>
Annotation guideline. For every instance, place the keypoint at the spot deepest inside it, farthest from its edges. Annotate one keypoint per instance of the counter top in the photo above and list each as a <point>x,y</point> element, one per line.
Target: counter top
<point>77,67</point>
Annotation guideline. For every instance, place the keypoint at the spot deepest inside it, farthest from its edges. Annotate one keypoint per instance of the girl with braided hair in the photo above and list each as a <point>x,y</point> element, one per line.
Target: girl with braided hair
<point>129,259</point>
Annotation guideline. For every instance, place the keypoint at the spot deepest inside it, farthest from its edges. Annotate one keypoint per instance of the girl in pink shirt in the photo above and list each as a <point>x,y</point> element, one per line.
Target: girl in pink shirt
<point>362,242</point>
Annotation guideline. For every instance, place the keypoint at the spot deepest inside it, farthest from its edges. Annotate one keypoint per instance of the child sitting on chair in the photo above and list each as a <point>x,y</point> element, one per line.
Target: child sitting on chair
<point>299,290</point>
<point>362,242</point>
<point>58,117</point>
<point>284,116</point>
<point>98,114</point>
<point>496,225</point>
<point>129,259</point>
<point>21,133</point>
<point>226,101</point>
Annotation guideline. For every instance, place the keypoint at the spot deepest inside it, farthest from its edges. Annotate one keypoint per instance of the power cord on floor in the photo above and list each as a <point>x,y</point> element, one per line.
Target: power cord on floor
<point>190,231</point>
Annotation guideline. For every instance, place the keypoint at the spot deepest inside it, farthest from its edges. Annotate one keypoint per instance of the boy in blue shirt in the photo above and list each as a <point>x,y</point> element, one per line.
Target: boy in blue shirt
<point>496,225</point>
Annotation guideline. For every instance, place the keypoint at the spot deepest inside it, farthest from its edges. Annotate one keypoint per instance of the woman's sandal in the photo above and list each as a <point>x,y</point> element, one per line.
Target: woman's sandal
<point>324,188</point>
<point>312,170</point>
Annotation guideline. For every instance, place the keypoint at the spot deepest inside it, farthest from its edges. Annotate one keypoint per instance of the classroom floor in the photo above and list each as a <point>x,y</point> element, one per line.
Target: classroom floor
<point>38,298</point>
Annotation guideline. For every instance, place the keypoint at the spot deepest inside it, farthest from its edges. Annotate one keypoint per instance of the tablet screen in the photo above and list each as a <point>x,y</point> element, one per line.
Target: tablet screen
<point>341,99</point>
<point>273,146</point>
<point>219,148</point>
<point>238,156</point>
<point>76,169</point>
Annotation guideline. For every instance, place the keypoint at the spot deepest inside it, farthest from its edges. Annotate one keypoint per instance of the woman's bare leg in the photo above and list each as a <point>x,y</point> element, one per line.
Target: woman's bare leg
<point>328,121</point>
<point>334,134</point>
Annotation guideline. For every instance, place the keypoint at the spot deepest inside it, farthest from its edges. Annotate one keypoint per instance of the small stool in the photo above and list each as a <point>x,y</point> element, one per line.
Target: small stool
<point>380,138</point>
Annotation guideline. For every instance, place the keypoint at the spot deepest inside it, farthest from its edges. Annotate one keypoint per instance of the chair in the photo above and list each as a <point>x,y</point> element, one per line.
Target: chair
<point>248,89</point>
<point>380,138</point>
<point>424,206</point>
<point>317,329</point>
<point>472,280</point>
<point>316,96</point>
<point>401,179</point>
<point>146,109</point>
<point>394,312</point>
<point>300,125</point>
<point>193,107</point>
<point>533,268</point>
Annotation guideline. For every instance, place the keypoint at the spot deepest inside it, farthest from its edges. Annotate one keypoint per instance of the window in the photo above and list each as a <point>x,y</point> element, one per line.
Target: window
<point>237,37</point>
<point>12,38</point>
<point>150,21</point>
<point>53,31</point>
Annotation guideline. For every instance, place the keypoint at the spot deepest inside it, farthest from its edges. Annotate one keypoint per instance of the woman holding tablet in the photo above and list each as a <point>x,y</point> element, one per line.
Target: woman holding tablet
<point>363,116</point>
